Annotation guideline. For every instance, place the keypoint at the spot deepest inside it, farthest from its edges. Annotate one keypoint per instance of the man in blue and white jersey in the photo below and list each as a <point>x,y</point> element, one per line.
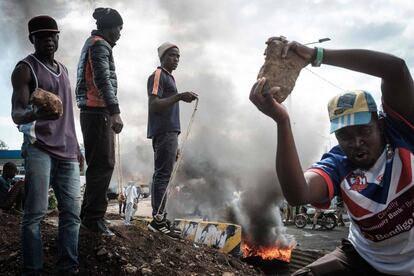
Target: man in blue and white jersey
<point>371,168</point>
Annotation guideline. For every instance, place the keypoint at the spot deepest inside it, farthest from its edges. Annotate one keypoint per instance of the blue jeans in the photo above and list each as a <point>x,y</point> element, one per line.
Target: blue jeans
<point>43,170</point>
<point>165,153</point>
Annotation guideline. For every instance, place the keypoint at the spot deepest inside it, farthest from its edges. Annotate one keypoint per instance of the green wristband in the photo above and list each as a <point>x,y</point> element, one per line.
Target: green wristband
<point>319,57</point>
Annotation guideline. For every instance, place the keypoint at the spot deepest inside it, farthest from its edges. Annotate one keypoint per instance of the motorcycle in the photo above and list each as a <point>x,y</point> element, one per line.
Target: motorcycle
<point>327,218</point>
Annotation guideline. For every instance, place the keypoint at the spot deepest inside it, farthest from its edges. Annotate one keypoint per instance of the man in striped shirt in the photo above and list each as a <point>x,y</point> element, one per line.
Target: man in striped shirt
<point>163,129</point>
<point>371,168</point>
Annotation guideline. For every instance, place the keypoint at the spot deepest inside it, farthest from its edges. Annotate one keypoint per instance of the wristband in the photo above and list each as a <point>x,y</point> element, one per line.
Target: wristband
<point>317,61</point>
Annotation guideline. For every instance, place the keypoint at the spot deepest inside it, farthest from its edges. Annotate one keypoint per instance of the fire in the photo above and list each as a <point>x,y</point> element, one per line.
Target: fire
<point>267,253</point>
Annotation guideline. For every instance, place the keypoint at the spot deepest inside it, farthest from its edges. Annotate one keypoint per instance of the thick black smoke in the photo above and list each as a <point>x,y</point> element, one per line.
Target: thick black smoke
<point>228,170</point>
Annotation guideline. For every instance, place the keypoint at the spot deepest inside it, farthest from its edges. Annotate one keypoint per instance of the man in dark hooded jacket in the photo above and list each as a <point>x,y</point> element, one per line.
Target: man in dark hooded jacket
<point>96,96</point>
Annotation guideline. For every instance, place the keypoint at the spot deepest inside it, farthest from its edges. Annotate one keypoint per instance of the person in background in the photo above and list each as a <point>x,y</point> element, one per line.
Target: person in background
<point>340,209</point>
<point>289,213</point>
<point>131,201</point>
<point>11,194</point>
<point>96,95</point>
<point>318,212</point>
<point>121,201</point>
<point>136,201</point>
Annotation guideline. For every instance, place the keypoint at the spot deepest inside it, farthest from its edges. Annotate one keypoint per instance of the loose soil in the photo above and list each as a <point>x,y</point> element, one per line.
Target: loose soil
<point>132,251</point>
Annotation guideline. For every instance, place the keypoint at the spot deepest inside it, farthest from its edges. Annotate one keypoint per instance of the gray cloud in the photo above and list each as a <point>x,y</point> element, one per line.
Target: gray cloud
<point>374,32</point>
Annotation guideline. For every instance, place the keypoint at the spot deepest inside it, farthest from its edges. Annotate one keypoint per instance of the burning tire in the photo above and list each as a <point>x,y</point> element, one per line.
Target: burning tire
<point>300,220</point>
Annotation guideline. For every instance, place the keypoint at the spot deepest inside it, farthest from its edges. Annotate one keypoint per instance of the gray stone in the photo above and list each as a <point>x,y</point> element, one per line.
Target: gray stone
<point>146,271</point>
<point>102,252</point>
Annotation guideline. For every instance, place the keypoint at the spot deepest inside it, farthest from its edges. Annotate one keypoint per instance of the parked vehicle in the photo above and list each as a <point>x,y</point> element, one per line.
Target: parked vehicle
<point>20,175</point>
<point>145,190</point>
<point>327,219</point>
<point>111,195</point>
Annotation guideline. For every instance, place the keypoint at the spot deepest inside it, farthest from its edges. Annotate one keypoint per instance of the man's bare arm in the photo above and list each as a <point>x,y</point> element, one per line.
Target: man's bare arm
<point>397,84</point>
<point>22,112</point>
<point>157,104</point>
<point>297,188</point>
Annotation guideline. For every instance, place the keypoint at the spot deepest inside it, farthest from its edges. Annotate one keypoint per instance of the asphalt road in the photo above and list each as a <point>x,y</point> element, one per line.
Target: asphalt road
<point>318,239</point>
<point>306,238</point>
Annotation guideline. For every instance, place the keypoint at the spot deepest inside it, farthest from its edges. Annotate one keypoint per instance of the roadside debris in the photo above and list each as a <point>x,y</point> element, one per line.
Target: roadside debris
<point>133,251</point>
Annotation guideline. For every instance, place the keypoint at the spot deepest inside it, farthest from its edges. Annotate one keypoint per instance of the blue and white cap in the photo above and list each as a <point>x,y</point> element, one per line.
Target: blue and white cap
<point>351,108</point>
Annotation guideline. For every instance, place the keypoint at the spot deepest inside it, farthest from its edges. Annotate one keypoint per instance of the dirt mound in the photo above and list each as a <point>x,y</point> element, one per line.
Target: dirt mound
<point>133,251</point>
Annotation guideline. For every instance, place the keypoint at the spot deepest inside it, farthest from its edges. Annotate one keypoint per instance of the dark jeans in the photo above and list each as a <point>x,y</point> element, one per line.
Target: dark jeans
<point>98,138</point>
<point>343,261</point>
<point>165,152</point>
<point>14,197</point>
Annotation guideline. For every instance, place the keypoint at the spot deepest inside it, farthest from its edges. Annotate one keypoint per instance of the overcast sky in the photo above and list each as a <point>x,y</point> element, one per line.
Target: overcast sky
<point>222,44</point>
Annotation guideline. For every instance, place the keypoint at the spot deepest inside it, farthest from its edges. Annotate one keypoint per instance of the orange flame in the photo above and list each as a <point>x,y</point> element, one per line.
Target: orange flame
<point>267,253</point>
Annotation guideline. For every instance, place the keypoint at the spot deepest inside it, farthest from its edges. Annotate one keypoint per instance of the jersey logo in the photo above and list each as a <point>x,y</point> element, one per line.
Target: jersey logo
<point>357,181</point>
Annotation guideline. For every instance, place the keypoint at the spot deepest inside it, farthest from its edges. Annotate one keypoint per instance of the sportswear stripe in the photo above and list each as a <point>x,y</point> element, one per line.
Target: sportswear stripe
<point>353,207</point>
<point>156,81</point>
<point>406,176</point>
<point>329,185</point>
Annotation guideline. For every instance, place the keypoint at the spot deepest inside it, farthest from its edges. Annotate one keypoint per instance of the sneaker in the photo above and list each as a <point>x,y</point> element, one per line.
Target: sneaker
<point>103,228</point>
<point>107,222</point>
<point>98,227</point>
<point>162,227</point>
<point>172,227</point>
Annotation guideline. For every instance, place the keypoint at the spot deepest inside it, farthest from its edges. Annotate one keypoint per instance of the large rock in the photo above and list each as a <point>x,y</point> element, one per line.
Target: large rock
<point>279,71</point>
<point>47,101</point>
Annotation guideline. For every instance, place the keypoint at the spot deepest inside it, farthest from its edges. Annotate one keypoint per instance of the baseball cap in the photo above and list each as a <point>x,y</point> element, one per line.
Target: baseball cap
<point>164,48</point>
<point>351,108</point>
<point>42,23</point>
